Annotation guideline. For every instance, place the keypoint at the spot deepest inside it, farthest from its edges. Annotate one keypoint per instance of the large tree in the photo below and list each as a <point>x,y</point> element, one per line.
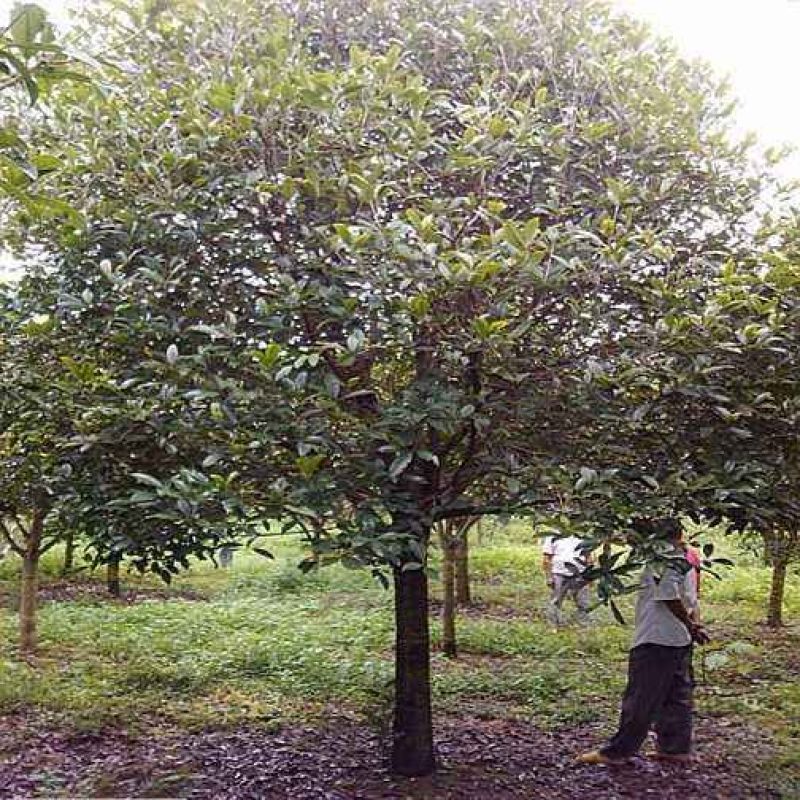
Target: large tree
<point>387,244</point>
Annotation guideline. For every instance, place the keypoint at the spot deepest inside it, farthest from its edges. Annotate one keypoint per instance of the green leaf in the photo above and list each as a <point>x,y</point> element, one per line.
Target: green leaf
<point>28,24</point>
<point>210,460</point>
<point>222,97</point>
<point>400,464</point>
<point>9,138</point>
<point>355,340</point>
<point>269,355</point>
<point>49,207</point>
<point>587,476</point>
<point>419,305</point>
<point>309,465</point>
<point>23,73</point>
<point>44,162</point>
<point>332,384</point>
<point>148,480</point>
<point>427,455</point>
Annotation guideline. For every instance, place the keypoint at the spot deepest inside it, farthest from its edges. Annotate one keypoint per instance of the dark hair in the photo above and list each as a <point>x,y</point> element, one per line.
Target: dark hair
<point>667,528</point>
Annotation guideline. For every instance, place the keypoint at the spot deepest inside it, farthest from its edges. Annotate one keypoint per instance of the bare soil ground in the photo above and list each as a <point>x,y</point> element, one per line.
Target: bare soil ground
<point>346,760</point>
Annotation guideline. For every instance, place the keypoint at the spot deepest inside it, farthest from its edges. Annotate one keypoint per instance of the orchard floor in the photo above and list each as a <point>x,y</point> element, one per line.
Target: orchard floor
<point>343,760</point>
<point>259,682</point>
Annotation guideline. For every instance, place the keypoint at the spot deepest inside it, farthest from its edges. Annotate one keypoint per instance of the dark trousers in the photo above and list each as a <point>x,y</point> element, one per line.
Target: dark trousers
<point>658,694</point>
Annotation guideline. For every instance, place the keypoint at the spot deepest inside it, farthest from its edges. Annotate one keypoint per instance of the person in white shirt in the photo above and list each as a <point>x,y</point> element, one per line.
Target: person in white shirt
<point>564,561</point>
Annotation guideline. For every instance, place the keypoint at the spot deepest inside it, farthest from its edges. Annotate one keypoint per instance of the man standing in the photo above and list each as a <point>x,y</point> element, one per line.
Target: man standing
<point>564,561</point>
<point>660,685</point>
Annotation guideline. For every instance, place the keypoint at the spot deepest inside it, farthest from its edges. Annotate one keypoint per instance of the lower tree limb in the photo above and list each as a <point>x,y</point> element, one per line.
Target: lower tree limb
<point>412,745</point>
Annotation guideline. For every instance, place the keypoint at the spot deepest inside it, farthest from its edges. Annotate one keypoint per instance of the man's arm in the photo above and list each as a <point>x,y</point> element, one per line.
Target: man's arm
<point>548,551</point>
<point>697,631</point>
<point>669,590</point>
<point>547,568</point>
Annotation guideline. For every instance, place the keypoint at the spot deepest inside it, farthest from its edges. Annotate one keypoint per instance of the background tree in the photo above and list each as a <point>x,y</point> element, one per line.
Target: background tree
<point>738,355</point>
<point>32,62</point>
<point>453,540</point>
<point>41,387</point>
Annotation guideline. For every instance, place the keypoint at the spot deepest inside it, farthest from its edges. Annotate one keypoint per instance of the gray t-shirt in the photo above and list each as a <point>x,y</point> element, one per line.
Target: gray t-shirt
<point>655,623</point>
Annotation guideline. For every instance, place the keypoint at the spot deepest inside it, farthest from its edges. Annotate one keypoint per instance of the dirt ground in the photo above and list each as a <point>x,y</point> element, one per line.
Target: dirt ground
<point>345,760</point>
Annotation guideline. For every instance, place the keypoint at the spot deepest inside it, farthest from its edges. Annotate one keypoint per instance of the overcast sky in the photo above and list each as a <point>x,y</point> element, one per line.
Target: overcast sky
<point>755,42</point>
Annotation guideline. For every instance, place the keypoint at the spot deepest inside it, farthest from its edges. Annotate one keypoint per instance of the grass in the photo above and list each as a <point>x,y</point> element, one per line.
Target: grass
<point>266,644</point>
<point>267,637</point>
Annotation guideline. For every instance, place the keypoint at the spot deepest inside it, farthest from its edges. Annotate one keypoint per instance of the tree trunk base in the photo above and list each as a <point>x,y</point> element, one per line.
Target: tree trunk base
<point>461,558</point>
<point>775,609</point>
<point>448,598</point>
<point>27,604</point>
<point>412,734</point>
<point>112,579</point>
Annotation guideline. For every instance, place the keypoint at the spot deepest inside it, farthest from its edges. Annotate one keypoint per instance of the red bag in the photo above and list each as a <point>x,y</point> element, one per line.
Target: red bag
<point>695,559</point>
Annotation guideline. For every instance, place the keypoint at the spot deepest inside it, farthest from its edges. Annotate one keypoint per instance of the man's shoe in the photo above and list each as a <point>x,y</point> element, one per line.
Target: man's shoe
<point>598,758</point>
<point>675,758</point>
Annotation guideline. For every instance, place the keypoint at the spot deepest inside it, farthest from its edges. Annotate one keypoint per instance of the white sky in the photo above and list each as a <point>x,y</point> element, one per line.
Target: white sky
<point>755,42</point>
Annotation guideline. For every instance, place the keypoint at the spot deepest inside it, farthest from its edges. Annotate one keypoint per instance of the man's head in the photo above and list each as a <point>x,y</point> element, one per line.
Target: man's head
<point>668,528</point>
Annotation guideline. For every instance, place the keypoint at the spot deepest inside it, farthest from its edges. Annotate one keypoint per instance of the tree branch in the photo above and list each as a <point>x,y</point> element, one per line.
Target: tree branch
<point>11,542</point>
<point>18,522</point>
<point>481,510</point>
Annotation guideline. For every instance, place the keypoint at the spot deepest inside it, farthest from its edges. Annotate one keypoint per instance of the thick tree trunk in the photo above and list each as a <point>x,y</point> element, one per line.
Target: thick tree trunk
<point>112,578</point>
<point>448,596</point>
<point>29,585</point>
<point>775,610</point>
<point>463,590</point>
<point>69,554</point>
<point>412,747</point>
